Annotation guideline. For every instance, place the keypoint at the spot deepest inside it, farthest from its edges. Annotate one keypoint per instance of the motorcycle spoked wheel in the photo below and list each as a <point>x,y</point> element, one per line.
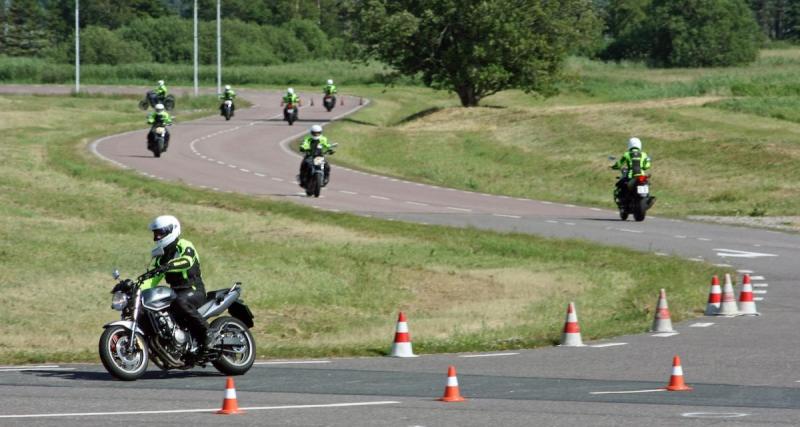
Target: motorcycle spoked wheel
<point>123,365</point>
<point>240,359</point>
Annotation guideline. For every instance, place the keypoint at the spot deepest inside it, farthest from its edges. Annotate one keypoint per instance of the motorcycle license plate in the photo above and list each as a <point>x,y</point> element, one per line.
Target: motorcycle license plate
<point>228,103</point>
<point>318,160</point>
<point>643,189</point>
<point>290,110</point>
<point>160,131</point>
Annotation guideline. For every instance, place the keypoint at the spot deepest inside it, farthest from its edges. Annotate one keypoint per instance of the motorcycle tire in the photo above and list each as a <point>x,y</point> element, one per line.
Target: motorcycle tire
<point>317,184</point>
<point>158,147</point>
<point>310,184</point>
<point>115,362</point>
<point>169,103</point>
<point>227,115</point>
<point>235,363</point>
<point>144,105</point>
<point>623,215</point>
<point>640,211</point>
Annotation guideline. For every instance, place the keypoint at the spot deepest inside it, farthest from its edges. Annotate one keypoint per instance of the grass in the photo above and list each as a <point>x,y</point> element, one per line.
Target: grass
<point>710,138</point>
<point>320,284</point>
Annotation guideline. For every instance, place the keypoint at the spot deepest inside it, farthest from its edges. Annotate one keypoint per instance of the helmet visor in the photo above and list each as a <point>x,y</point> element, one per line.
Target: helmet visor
<point>160,233</point>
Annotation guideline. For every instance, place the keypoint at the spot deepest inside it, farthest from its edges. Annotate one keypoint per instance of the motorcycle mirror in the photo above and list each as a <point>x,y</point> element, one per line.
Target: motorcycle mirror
<point>612,158</point>
<point>115,273</point>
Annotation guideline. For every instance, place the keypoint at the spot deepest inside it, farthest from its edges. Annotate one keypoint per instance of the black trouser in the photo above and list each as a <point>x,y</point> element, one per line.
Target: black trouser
<point>305,165</point>
<point>222,106</point>
<point>151,137</point>
<point>185,310</point>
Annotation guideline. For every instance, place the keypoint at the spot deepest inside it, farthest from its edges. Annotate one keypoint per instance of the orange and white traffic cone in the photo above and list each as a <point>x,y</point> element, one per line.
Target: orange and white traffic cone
<point>747,305</point>
<point>571,337</point>
<point>361,101</point>
<point>341,100</point>
<point>230,405</point>
<point>714,297</point>
<point>402,340</point>
<point>676,380</point>
<point>451,392</point>
<point>662,321</point>
<point>728,306</point>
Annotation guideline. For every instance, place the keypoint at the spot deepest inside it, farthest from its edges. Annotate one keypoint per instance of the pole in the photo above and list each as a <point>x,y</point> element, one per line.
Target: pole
<point>219,50</point>
<point>196,88</point>
<point>77,47</point>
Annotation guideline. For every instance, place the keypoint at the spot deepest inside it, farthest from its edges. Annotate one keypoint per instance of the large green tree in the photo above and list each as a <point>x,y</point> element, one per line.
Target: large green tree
<point>24,28</point>
<point>474,47</point>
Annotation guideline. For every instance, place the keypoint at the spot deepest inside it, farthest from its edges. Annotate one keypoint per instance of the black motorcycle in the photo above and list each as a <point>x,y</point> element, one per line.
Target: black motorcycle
<point>226,109</point>
<point>148,331</point>
<point>632,196</point>
<point>314,165</point>
<point>152,98</point>
<point>290,113</point>
<point>329,101</point>
<point>158,139</point>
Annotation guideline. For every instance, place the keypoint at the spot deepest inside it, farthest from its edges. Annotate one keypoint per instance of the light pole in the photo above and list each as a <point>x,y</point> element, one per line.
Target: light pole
<point>77,47</point>
<point>219,50</point>
<point>196,89</point>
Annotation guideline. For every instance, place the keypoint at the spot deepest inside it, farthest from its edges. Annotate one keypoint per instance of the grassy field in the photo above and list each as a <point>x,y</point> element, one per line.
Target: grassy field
<point>723,141</point>
<point>68,219</point>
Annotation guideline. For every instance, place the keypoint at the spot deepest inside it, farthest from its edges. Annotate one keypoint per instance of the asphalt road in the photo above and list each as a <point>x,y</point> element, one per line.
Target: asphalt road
<point>743,368</point>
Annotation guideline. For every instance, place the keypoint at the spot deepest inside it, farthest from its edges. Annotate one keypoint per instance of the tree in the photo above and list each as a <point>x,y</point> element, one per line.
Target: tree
<point>778,19</point>
<point>624,20</point>
<point>26,33</point>
<point>474,47</point>
<point>702,33</point>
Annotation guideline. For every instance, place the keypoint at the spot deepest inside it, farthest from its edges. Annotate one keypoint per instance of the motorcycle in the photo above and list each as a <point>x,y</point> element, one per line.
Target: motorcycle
<point>315,163</point>
<point>290,113</point>
<point>227,109</point>
<point>158,139</point>
<point>633,197</point>
<point>329,101</point>
<point>147,331</point>
<point>151,99</point>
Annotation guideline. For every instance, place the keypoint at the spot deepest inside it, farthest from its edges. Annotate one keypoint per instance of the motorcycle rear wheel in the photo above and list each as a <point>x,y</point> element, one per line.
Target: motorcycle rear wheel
<point>241,360</point>
<point>144,104</point>
<point>169,102</point>
<point>623,215</point>
<point>641,210</point>
<point>118,363</point>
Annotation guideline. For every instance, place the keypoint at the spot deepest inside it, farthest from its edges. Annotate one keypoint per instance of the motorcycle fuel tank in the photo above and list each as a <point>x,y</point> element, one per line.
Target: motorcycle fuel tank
<point>158,298</point>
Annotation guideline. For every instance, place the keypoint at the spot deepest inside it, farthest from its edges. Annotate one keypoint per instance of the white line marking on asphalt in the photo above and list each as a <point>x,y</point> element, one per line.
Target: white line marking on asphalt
<point>756,245</point>
<point>701,324</point>
<point>723,265</point>
<point>352,193</point>
<point>596,209</point>
<point>569,223</point>
<point>628,230</point>
<point>629,391</point>
<point>184,411</point>
<point>569,206</point>
<point>760,285</point>
<point>757,277</point>
<point>745,271</point>
<point>233,166</point>
<point>698,259</point>
<point>551,221</point>
<point>611,344</point>
<point>292,362</point>
<point>489,355</point>
<point>665,334</point>
<point>704,239</point>
<point>661,254</point>
<point>459,209</point>
<point>259,174</point>
<point>714,414</point>
<point>33,368</point>
<point>417,203</point>
<point>679,236</point>
<point>244,170</point>
<point>379,197</point>
<point>507,216</point>
<point>220,163</point>
<point>760,291</point>
<point>741,254</point>
<point>279,180</point>
<point>547,203</point>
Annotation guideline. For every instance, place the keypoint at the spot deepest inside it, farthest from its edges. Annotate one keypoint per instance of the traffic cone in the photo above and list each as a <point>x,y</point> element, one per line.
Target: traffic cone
<point>714,297</point>
<point>312,101</point>
<point>402,340</point>
<point>451,392</point>
<point>676,380</point>
<point>662,321</point>
<point>571,337</point>
<point>341,100</point>
<point>361,101</point>
<point>230,405</point>
<point>728,306</point>
<point>747,306</point>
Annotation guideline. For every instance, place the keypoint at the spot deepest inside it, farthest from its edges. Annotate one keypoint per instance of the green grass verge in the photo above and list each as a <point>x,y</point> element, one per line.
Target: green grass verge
<point>320,284</point>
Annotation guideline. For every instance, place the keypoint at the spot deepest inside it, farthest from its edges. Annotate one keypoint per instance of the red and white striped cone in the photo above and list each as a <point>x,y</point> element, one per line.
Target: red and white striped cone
<point>662,321</point>
<point>451,392</point>
<point>676,380</point>
<point>714,297</point>
<point>402,340</point>
<point>571,337</point>
<point>728,306</point>
<point>230,404</point>
<point>747,305</point>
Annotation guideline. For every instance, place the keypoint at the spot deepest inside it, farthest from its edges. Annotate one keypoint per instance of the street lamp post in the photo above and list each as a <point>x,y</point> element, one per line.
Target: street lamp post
<point>77,48</point>
<point>219,50</point>
<point>196,88</point>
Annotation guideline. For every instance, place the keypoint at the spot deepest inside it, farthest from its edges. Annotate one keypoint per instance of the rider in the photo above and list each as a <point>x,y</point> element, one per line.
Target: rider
<point>159,94</point>
<point>330,90</point>
<point>156,118</point>
<point>228,95</point>
<point>633,163</point>
<point>177,262</point>
<point>307,147</point>
<point>290,97</point>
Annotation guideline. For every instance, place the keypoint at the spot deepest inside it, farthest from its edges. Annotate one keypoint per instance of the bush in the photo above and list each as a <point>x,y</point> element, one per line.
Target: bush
<point>100,46</point>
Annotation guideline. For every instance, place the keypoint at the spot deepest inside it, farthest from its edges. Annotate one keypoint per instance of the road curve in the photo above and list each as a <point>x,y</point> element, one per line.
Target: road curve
<point>742,366</point>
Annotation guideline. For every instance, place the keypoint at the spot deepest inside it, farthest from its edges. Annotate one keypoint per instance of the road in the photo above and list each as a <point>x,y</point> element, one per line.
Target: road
<point>742,368</point>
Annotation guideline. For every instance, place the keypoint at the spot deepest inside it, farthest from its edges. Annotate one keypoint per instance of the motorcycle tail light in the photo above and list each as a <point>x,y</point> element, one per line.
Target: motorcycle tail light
<point>641,179</point>
<point>119,300</point>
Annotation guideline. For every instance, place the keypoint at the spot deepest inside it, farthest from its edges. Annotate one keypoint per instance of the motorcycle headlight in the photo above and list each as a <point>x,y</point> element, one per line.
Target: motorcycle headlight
<point>119,300</point>
<point>318,160</point>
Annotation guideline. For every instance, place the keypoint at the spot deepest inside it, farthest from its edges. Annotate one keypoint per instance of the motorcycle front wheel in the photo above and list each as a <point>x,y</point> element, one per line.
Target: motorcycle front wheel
<point>236,359</point>
<point>117,356</point>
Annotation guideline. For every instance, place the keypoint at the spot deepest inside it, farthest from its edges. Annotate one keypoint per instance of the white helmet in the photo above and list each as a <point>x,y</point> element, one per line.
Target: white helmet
<point>159,107</point>
<point>161,82</point>
<point>227,87</point>
<point>330,82</point>
<point>634,143</point>
<point>290,90</point>
<point>316,131</point>
<point>166,230</point>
